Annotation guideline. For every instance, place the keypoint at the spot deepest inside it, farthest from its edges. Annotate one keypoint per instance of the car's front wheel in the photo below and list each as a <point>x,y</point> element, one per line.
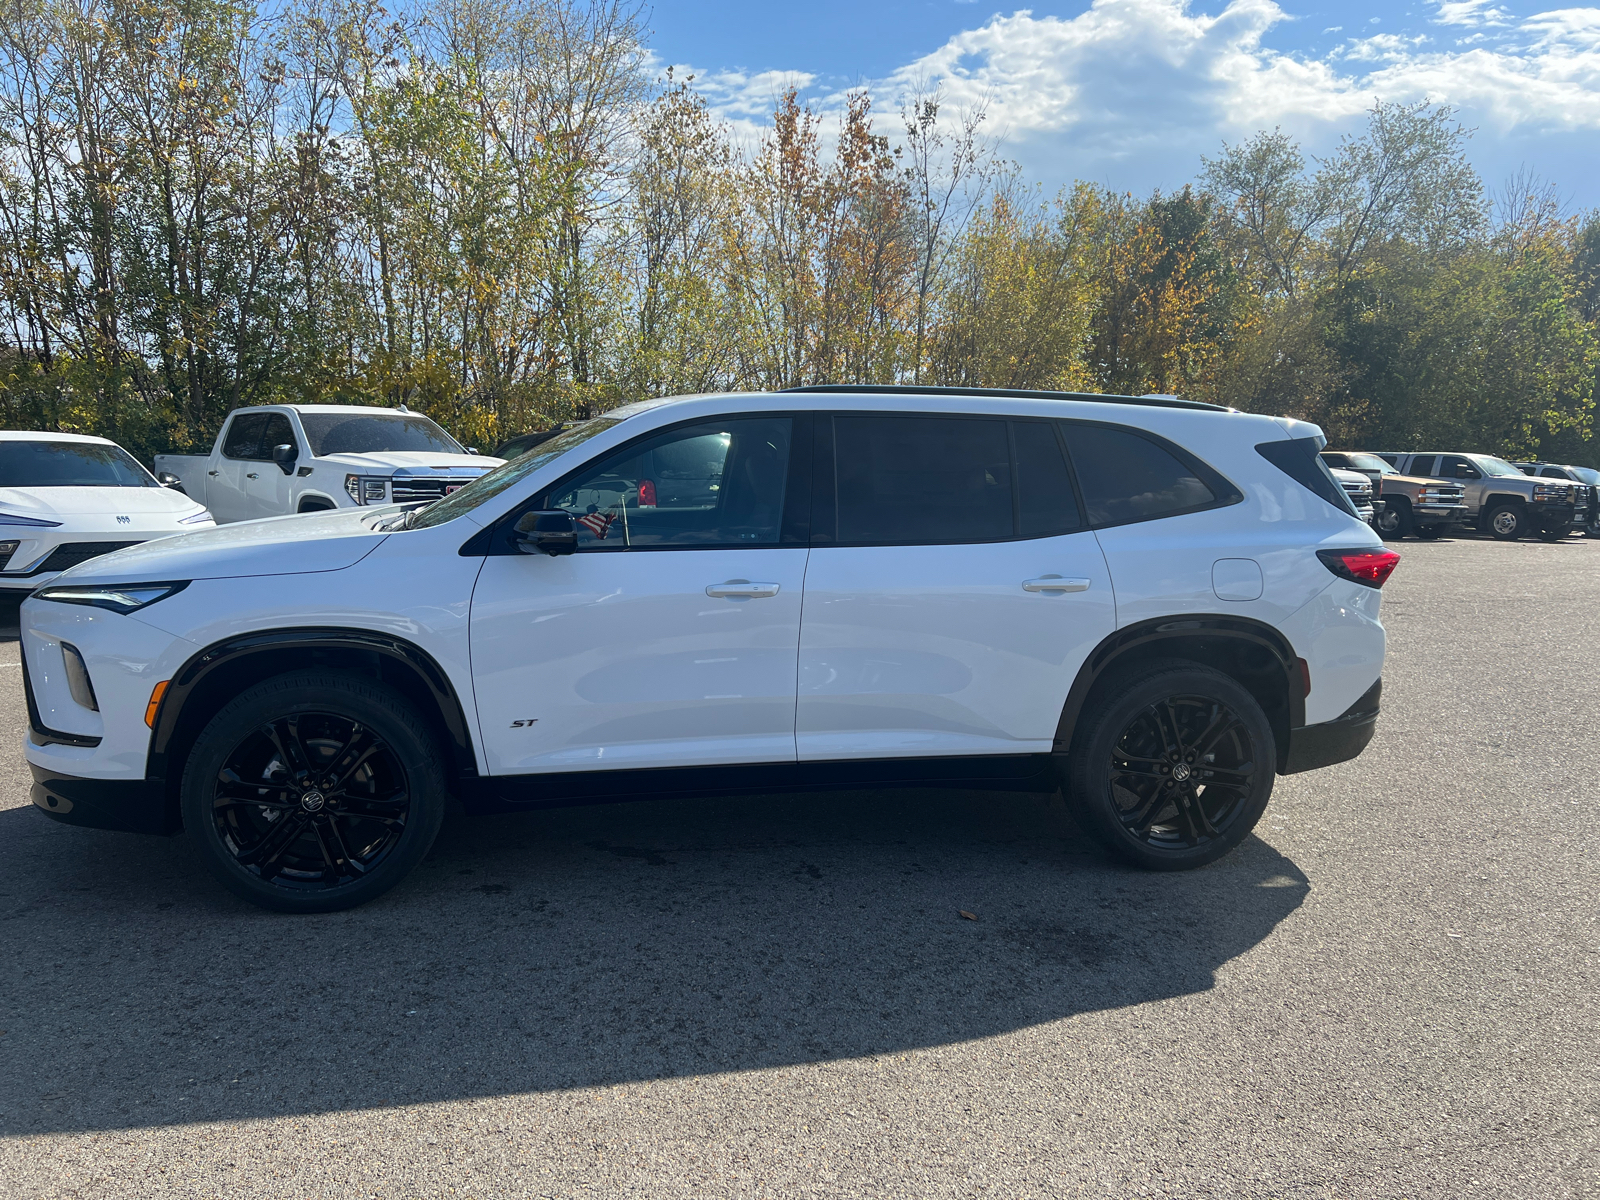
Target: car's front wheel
<point>1507,522</point>
<point>1394,522</point>
<point>1174,768</point>
<point>314,791</point>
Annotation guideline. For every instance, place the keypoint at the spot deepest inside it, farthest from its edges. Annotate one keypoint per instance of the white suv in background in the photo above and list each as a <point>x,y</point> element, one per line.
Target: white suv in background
<point>1160,605</point>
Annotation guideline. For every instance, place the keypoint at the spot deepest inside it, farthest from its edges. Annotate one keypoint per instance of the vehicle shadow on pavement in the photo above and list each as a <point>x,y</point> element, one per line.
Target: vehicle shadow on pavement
<point>585,946</point>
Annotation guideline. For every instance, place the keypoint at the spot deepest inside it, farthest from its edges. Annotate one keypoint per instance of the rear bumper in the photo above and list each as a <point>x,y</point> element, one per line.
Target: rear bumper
<point>126,805</point>
<point>1336,741</point>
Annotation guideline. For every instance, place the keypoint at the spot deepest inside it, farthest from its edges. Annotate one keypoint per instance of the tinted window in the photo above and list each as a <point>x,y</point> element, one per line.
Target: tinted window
<point>1453,467</point>
<point>244,436</point>
<point>277,433</point>
<point>1422,465</point>
<point>69,464</point>
<point>716,484</point>
<point>928,480</point>
<point>1298,459</point>
<point>1045,503</point>
<point>1553,473</point>
<point>358,433</point>
<point>1127,477</point>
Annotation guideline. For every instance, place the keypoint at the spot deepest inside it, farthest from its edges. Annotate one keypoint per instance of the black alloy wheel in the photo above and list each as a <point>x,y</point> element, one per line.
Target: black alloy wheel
<point>1177,767</point>
<point>313,792</point>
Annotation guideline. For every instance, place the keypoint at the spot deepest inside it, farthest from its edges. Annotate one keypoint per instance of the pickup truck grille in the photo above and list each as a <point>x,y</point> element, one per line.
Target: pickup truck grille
<point>1443,495</point>
<point>70,554</point>
<point>409,491</point>
<point>1360,493</point>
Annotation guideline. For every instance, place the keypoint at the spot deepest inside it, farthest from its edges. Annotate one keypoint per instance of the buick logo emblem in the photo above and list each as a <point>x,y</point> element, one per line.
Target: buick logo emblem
<point>1180,772</point>
<point>312,801</point>
<point>124,520</point>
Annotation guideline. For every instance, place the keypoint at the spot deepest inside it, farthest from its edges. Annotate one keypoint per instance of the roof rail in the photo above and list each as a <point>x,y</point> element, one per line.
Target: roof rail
<point>1011,393</point>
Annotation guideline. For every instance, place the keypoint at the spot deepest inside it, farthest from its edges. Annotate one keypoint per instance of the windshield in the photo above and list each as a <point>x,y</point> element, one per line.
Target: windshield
<point>1586,474</point>
<point>1498,468</point>
<point>70,464</point>
<point>350,433</point>
<point>1369,462</point>
<point>486,487</point>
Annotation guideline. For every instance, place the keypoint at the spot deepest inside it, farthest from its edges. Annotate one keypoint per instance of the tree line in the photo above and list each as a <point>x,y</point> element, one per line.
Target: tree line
<point>498,214</point>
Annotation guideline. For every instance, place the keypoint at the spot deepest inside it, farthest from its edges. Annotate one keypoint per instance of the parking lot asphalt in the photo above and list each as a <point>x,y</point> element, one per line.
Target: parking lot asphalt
<point>1392,990</point>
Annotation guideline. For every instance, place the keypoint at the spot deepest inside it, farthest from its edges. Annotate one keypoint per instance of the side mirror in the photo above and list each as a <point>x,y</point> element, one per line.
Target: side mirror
<point>472,449</point>
<point>168,480</point>
<point>550,531</point>
<point>284,456</point>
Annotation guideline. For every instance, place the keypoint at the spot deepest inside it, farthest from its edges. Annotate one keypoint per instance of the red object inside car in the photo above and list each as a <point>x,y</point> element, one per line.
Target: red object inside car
<point>647,493</point>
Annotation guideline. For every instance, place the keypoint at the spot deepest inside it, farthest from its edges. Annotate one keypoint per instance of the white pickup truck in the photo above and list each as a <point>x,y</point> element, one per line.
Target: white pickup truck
<point>294,458</point>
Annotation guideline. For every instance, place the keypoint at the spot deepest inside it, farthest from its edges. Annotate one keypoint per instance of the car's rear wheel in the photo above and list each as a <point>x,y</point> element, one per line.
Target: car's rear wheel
<point>314,791</point>
<point>1507,522</point>
<point>1175,768</point>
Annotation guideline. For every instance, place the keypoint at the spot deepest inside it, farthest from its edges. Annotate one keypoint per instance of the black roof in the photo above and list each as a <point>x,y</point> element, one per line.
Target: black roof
<point>874,389</point>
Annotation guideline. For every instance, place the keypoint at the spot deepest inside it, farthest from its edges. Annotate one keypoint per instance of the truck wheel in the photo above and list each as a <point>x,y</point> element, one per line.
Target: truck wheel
<point>1553,535</point>
<point>1174,768</point>
<point>1507,522</point>
<point>313,791</point>
<point>314,506</point>
<point>1394,522</point>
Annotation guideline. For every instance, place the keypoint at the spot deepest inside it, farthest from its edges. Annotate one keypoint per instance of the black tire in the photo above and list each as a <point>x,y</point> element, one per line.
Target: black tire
<point>1506,522</point>
<point>1184,823</point>
<point>1394,522</point>
<point>1553,535</point>
<point>309,506</point>
<point>1431,533</point>
<point>348,760</point>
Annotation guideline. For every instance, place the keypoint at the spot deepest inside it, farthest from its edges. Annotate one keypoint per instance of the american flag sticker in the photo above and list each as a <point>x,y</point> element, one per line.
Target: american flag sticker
<point>597,523</point>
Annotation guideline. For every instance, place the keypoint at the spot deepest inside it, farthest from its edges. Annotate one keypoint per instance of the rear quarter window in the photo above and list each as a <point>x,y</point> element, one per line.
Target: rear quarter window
<point>1298,459</point>
<point>1127,475</point>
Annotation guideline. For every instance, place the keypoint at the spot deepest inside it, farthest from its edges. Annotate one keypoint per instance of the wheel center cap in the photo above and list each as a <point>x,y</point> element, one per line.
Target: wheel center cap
<point>1179,772</point>
<point>312,801</point>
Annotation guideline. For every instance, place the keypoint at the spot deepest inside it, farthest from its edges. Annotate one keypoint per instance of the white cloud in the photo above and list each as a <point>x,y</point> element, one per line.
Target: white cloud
<point>1132,92</point>
<point>1471,12</point>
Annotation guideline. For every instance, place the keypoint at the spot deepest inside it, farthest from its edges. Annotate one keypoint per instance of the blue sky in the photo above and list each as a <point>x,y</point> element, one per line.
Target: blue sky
<point>1130,93</point>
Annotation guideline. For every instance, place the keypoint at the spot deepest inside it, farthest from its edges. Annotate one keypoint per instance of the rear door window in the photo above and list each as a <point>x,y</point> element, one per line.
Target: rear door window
<point>1127,476</point>
<point>1046,504</point>
<point>1422,464</point>
<point>921,480</point>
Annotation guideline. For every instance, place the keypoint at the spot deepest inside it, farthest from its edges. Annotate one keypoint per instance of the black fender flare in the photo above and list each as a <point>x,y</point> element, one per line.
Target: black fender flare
<point>331,643</point>
<point>1210,638</point>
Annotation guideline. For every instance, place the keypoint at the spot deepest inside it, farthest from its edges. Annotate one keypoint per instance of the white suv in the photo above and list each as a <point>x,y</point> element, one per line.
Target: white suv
<point>1159,605</point>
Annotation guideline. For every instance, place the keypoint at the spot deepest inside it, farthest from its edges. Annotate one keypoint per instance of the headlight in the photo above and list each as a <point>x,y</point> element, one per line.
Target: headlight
<point>12,519</point>
<point>203,517</point>
<point>365,489</point>
<point>1550,491</point>
<point>123,598</point>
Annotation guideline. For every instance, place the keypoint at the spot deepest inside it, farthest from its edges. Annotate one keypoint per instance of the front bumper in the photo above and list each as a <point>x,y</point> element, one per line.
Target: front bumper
<point>126,805</point>
<point>1336,741</point>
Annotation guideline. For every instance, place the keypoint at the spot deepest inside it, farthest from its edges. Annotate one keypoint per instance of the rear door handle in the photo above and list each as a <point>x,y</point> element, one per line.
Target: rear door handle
<point>251,475</point>
<point>735,588</point>
<point>1054,583</point>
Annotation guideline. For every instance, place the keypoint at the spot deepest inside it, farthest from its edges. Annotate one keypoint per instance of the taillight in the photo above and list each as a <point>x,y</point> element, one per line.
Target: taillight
<point>1371,567</point>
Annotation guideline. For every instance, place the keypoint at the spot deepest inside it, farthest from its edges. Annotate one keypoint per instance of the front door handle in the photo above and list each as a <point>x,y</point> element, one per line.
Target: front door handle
<point>1054,583</point>
<point>251,475</point>
<point>742,588</point>
<point>210,472</point>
